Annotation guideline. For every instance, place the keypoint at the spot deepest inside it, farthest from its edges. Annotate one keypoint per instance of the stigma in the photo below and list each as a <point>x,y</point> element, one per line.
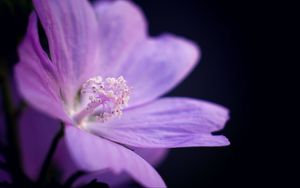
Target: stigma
<point>104,99</point>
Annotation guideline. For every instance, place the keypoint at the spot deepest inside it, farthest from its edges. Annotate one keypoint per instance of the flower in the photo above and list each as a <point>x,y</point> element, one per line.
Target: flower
<point>35,148</point>
<point>104,77</point>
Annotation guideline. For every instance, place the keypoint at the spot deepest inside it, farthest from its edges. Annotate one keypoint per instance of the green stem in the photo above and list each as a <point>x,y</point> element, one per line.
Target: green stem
<point>46,165</point>
<point>13,158</point>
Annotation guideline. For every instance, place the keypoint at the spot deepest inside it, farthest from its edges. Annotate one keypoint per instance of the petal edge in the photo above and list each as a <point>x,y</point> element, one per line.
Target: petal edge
<point>89,150</point>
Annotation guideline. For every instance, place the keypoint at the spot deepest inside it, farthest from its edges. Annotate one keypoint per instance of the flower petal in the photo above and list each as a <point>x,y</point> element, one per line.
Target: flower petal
<point>152,66</point>
<point>158,65</point>
<point>93,154</point>
<point>35,75</point>
<point>68,167</point>
<point>5,177</point>
<point>72,33</point>
<point>36,134</point>
<point>166,123</point>
<point>152,156</point>
<point>121,26</point>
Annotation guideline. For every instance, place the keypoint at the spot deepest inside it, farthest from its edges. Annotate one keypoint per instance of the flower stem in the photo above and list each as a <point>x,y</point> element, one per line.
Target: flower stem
<point>46,165</point>
<point>13,150</point>
<point>71,180</point>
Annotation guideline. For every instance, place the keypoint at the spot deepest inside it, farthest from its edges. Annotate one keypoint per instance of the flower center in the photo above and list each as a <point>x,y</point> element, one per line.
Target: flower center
<point>103,99</point>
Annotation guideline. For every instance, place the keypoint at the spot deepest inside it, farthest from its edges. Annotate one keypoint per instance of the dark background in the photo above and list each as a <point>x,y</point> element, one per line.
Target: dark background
<point>242,68</point>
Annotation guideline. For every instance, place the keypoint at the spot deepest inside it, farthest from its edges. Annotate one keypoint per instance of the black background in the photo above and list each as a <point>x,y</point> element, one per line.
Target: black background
<point>242,68</point>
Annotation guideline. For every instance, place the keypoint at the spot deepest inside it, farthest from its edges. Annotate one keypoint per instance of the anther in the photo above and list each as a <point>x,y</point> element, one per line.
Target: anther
<point>107,98</point>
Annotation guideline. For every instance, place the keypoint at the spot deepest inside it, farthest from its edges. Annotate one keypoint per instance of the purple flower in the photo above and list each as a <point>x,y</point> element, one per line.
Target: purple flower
<point>103,79</point>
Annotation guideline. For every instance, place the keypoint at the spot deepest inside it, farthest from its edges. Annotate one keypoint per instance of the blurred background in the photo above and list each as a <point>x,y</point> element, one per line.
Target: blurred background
<point>242,50</point>
<point>239,57</point>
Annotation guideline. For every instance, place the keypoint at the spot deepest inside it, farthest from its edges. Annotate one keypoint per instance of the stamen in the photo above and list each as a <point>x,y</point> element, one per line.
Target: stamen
<point>106,98</point>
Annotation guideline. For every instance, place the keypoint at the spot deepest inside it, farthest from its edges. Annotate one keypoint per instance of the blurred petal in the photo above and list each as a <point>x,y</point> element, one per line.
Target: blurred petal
<point>94,154</point>
<point>67,167</point>
<point>121,26</point>
<point>72,33</point>
<point>35,75</point>
<point>152,66</point>
<point>36,134</point>
<point>167,123</point>
<point>158,65</point>
<point>152,156</point>
<point>4,177</point>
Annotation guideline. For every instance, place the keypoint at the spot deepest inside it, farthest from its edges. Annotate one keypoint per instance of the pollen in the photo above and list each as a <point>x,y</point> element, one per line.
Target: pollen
<point>106,98</point>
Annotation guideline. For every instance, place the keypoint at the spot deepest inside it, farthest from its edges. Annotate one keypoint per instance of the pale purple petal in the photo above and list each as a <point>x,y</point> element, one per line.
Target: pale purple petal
<point>63,160</point>
<point>167,123</point>
<point>152,156</point>
<point>121,27</point>
<point>94,154</point>
<point>67,167</point>
<point>35,75</point>
<point>152,66</point>
<point>72,33</point>
<point>157,65</point>
<point>36,134</point>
